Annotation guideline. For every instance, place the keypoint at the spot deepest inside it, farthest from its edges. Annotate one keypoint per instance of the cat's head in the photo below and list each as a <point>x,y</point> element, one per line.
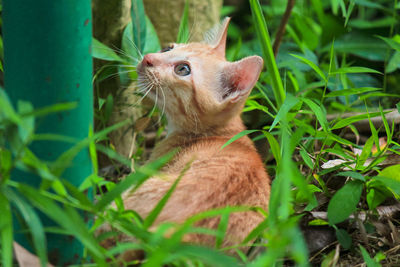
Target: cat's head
<point>195,84</point>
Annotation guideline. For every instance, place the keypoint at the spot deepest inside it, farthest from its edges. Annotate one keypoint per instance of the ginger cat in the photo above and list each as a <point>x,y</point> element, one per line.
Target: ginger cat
<point>204,95</point>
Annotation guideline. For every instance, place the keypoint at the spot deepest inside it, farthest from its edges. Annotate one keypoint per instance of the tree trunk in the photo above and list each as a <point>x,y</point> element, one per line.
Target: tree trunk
<point>166,17</point>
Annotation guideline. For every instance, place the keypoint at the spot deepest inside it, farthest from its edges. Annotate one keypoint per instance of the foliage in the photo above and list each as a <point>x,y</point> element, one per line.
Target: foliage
<point>337,57</point>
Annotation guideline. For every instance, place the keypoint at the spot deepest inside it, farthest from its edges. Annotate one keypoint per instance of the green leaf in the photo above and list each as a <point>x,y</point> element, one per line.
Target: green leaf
<point>313,66</point>
<point>252,105</point>
<point>377,94</point>
<point>307,160</point>
<point>371,24</point>
<point>352,91</point>
<point>6,165</point>
<point>349,10</point>
<point>183,32</point>
<point>361,45</point>
<point>354,70</point>
<point>238,136</point>
<point>51,109</point>
<point>66,217</point>
<point>390,176</point>
<point>65,158</point>
<point>392,43</point>
<point>377,192</point>
<point>133,180</point>
<point>368,260</point>
<point>394,62</point>
<point>319,113</point>
<point>355,175</point>
<point>366,152</point>
<point>329,259</point>
<point>7,111</point>
<point>344,238</point>
<point>209,256</point>
<point>256,232</point>
<point>163,201</point>
<point>32,220</point>
<point>289,103</point>
<point>338,209</point>
<point>152,42</point>
<point>6,231</point>
<point>222,227</point>
<point>130,51</point>
<point>103,52</point>
<point>344,122</point>
<point>266,48</point>
<point>27,125</point>
<point>398,107</point>
<point>274,145</point>
<point>138,16</point>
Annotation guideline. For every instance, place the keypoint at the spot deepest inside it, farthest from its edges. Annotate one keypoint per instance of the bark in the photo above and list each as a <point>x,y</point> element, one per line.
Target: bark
<point>166,17</point>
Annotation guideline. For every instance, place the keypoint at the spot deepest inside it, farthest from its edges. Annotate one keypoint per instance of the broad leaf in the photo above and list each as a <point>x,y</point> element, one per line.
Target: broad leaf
<point>103,52</point>
<point>338,209</point>
<point>390,176</point>
<point>138,24</point>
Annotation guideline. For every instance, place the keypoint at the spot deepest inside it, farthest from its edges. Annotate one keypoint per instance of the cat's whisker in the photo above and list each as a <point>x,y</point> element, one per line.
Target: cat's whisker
<point>132,43</point>
<point>123,52</point>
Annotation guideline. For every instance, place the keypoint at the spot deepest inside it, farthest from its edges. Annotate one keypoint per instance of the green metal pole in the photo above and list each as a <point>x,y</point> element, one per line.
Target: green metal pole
<point>47,56</point>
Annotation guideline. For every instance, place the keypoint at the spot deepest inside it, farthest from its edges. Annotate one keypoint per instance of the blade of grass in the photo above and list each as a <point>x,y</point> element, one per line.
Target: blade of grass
<point>354,70</point>
<point>160,205</point>
<point>136,179</point>
<point>33,222</point>
<point>290,102</point>
<point>6,231</point>
<point>66,217</point>
<point>183,32</point>
<point>238,136</point>
<point>266,47</point>
<point>312,65</point>
<point>344,122</point>
<point>352,91</point>
<point>222,226</point>
<point>275,148</point>
<point>321,116</point>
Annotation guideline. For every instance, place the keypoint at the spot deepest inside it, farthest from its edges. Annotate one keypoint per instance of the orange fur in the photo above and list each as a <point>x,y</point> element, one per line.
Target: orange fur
<point>203,112</point>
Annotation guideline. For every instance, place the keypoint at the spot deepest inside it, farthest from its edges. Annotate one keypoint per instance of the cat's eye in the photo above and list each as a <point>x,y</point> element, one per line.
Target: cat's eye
<point>182,69</point>
<point>166,49</point>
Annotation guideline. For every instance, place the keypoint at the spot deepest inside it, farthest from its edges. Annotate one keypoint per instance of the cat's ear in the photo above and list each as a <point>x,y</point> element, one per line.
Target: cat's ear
<point>216,37</point>
<point>238,78</point>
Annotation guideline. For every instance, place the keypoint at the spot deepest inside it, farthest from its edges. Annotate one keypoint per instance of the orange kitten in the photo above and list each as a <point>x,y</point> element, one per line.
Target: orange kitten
<point>203,95</point>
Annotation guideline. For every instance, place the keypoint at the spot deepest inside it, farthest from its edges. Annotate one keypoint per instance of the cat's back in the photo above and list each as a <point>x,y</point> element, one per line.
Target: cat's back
<point>224,175</point>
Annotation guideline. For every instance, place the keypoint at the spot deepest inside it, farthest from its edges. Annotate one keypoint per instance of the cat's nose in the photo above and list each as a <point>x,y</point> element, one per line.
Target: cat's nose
<point>148,61</point>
